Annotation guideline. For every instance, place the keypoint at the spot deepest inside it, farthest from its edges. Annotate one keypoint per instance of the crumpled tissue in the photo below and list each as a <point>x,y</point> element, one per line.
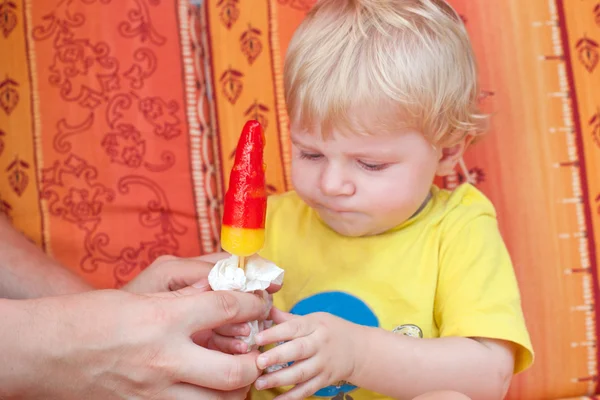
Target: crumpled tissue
<point>259,274</point>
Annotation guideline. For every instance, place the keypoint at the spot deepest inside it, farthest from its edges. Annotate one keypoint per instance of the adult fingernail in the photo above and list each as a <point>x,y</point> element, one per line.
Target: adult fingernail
<point>267,301</point>
<point>243,330</point>
<point>262,361</point>
<point>263,295</point>
<point>257,339</point>
<point>260,384</point>
<point>203,284</point>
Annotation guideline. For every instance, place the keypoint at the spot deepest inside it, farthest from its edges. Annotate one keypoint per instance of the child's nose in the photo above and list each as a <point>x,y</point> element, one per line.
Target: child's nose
<point>334,182</point>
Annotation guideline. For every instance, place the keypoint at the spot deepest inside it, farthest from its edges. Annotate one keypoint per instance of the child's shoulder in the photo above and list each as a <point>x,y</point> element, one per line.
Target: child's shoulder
<point>286,214</point>
<point>287,203</point>
<point>289,198</point>
<point>463,203</point>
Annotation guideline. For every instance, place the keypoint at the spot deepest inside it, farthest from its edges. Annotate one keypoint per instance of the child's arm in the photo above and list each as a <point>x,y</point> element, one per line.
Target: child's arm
<point>404,367</point>
<point>327,349</point>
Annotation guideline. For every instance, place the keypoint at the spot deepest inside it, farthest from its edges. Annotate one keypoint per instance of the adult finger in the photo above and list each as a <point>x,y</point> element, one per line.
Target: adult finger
<point>234,330</point>
<point>200,309</point>
<point>198,287</point>
<point>169,273</point>
<point>185,272</point>
<point>216,370</point>
<point>274,288</point>
<point>227,345</point>
<point>185,391</point>
<point>202,338</point>
<point>213,257</point>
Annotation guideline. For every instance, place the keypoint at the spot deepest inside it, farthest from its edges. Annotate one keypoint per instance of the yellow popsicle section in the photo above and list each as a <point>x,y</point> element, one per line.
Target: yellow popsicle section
<point>242,242</point>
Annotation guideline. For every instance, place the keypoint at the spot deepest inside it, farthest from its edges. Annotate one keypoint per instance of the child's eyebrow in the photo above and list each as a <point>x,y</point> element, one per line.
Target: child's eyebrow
<point>299,143</point>
<point>378,153</point>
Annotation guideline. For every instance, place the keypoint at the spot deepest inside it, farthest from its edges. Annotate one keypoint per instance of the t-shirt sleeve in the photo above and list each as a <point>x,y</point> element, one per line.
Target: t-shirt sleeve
<point>478,294</point>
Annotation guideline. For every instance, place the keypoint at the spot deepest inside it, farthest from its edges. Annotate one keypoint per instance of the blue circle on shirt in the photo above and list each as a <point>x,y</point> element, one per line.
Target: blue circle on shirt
<point>341,305</point>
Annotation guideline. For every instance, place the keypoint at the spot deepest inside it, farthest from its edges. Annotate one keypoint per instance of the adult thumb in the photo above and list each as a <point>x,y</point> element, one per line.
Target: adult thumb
<point>211,309</point>
<point>199,287</point>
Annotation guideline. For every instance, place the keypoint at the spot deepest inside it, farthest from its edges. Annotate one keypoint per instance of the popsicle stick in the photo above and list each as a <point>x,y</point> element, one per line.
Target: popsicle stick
<point>242,263</point>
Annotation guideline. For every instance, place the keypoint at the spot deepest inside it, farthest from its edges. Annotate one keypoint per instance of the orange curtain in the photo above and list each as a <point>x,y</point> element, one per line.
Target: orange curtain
<point>118,119</point>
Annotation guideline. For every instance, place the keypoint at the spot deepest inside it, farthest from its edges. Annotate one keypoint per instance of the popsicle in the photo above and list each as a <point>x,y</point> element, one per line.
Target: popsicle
<point>245,205</point>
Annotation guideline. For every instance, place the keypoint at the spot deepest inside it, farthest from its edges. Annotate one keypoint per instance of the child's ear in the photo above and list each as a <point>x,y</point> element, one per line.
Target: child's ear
<point>450,156</point>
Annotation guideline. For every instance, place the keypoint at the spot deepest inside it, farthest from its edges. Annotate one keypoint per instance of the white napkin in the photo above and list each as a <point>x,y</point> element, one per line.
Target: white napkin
<point>260,273</point>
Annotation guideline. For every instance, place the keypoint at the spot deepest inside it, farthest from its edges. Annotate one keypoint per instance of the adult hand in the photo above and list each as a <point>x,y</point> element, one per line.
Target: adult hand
<point>112,344</point>
<point>169,273</point>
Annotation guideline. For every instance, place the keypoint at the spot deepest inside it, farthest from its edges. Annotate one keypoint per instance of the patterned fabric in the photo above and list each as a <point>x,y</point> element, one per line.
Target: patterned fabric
<point>106,105</point>
<point>118,121</point>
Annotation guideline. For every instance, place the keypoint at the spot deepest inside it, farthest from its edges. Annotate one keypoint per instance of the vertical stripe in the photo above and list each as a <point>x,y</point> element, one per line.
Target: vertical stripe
<point>210,147</point>
<point>280,108</point>
<point>37,127</point>
<point>590,246</point>
<point>215,132</point>
<point>194,130</point>
<point>19,124</point>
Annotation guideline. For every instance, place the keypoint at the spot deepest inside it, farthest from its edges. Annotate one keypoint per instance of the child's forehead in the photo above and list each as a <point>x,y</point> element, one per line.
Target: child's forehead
<point>355,124</point>
<point>349,140</point>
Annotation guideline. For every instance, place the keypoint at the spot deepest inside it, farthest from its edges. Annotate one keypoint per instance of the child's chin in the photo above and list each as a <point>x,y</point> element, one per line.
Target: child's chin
<point>347,229</point>
<point>355,229</point>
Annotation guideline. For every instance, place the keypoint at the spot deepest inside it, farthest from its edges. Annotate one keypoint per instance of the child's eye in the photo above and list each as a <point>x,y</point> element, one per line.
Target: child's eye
<point>310,156</point>
<point>373,167</point>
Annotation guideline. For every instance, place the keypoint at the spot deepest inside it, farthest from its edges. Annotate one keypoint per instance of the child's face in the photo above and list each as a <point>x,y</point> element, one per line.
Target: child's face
<point>363,185</point>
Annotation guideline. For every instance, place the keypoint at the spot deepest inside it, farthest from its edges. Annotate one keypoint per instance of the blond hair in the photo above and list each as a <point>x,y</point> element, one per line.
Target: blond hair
<point>408,63</point>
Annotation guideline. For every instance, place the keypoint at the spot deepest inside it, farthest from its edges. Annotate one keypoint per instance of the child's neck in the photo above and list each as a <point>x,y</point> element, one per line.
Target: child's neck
<point>423,205</point>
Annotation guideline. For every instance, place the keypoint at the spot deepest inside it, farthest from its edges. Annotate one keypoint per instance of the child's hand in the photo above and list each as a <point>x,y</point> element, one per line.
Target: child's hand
<point>322,346</point>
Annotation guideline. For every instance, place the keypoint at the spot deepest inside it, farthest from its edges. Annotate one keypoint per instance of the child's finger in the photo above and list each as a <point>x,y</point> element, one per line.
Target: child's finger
<point>233,330</point>
<point>295,350</point>
<point>295,374</point>
<point>304,390</point>
<point>279,317</point>
<point>227,345</point>
<point>284,331</point>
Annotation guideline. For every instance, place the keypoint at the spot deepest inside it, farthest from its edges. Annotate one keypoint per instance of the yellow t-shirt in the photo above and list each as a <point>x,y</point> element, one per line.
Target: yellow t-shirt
<point>445,272</point>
